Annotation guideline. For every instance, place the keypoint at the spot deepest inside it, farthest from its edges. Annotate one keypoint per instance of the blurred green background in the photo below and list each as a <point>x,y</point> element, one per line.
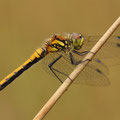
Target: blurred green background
<point>24,25</point>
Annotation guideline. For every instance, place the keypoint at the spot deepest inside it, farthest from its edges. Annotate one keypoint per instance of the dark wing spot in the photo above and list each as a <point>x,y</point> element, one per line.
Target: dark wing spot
<point>98,60</point>
<point>118,44</point>
<point>99,71</point>
<point>118,37</point>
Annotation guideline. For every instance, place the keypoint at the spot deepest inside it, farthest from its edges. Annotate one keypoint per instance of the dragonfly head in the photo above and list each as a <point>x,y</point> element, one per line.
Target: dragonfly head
<point>77,40</point>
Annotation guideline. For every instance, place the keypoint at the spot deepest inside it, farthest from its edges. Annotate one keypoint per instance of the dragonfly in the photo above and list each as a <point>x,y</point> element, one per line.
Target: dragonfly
<point>63,52</point>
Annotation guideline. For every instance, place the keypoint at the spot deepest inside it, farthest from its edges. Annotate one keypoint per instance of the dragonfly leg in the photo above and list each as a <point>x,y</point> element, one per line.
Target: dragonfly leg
<point>83,53</point>
<point>74,62</point>
<point>80,53</point>
<point>53,69</point>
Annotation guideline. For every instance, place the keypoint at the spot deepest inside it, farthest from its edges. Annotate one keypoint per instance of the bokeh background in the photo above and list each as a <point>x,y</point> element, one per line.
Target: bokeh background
<point>24,25</point>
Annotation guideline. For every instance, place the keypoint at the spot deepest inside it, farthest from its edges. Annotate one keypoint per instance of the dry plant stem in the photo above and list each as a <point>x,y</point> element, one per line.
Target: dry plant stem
<point>46,108</point>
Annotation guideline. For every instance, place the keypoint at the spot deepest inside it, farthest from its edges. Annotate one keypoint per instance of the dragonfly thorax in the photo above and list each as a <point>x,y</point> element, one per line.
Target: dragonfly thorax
<point>64,42</point>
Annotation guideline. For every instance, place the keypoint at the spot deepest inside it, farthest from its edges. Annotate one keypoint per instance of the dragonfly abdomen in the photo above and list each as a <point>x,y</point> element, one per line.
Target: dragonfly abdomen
<point>36,56</point>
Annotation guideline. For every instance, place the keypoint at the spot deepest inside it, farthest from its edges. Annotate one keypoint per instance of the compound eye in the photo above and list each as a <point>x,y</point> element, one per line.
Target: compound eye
<point>75,35</point>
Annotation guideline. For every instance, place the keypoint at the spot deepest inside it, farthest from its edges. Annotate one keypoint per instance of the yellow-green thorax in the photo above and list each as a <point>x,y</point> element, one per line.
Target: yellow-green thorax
<point>64,42</point>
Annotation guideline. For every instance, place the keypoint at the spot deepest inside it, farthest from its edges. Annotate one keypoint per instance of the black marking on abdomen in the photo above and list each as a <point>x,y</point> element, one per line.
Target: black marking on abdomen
<point>19,72</point>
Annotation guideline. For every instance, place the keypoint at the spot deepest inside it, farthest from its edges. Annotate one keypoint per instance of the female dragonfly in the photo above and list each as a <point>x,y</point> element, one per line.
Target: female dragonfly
<point>64,52</point>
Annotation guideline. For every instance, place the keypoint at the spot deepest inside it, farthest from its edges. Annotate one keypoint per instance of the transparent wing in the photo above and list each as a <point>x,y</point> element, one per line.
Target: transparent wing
<point>93,74</point>
<point>111,49</point>
<point>96,71</point>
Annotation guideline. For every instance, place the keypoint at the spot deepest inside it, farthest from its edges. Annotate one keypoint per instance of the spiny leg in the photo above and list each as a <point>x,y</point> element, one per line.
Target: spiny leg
<point>53,69</point>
